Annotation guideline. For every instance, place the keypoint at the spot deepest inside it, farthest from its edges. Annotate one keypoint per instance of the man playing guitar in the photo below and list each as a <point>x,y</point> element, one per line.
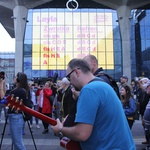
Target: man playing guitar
<point>100,123</point>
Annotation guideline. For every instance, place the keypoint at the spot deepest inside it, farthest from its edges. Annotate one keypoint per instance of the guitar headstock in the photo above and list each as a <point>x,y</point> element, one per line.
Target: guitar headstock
<point>14,103</point>
<point>17,104</point>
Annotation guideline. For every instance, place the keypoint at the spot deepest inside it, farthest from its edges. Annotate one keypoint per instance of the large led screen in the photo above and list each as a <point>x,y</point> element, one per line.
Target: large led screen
<point>59,37</point>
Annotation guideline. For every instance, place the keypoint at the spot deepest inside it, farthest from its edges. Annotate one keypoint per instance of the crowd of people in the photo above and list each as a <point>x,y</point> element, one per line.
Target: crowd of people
<point>85,105</point>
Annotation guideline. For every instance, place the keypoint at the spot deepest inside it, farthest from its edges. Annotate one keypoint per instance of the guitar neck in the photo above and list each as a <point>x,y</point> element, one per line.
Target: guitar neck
<point>17,105</point>
<point>39,115</point>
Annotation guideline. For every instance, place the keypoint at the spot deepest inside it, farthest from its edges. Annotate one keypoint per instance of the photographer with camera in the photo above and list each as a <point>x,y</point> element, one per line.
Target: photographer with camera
<point>2,85</point>
<point>2,92</point>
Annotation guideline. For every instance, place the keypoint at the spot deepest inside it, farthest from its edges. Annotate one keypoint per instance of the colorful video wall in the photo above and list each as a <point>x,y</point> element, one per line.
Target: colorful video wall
<point>60,36</point>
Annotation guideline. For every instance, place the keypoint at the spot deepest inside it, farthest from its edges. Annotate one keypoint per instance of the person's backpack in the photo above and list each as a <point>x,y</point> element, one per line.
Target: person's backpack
<point>108,79</point>
<point>115,87</point>
<point>137,111</point>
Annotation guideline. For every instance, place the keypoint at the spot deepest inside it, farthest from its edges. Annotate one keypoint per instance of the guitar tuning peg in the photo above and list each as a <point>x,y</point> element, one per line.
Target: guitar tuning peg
<point>12,96</point>
<point>13,108</point>
<point>8,105</point>
<point>17,99</point>
<point>21,102</point>
<point>17,110</point>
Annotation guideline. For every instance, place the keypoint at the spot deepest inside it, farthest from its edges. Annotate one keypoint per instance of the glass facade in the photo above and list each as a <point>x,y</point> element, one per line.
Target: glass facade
<point>55,36</point>
<point>141,42</point>
<point>7,65</point>
<point>145,42</point>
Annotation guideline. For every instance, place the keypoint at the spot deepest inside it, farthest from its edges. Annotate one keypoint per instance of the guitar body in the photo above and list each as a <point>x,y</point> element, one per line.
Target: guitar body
<point>69,144</point>
<point>17,105</point>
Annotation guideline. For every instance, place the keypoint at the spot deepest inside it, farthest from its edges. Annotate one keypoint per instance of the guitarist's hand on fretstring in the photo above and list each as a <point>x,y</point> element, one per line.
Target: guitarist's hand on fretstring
<point>58,127</point>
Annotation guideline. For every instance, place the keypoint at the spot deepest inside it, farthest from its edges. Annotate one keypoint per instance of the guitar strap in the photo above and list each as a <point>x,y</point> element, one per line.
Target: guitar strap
<point>71,117</point>
<point>97,79</point>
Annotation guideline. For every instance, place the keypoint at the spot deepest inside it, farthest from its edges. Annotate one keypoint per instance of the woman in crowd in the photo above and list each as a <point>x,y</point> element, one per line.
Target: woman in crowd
<point>44,103</point>
<point>34,100</point>
<point>128,103</point>
<point>16,120</point>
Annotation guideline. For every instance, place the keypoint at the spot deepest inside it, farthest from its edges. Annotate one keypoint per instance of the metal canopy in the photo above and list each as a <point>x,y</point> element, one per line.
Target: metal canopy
<point>7,6</point>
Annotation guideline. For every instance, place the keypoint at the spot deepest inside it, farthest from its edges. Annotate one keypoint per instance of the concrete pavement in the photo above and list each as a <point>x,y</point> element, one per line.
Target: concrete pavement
<point>51,142</point>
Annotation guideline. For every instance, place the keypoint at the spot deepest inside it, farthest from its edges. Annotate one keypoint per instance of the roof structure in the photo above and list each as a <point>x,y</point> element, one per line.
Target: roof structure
<point>7,6</point>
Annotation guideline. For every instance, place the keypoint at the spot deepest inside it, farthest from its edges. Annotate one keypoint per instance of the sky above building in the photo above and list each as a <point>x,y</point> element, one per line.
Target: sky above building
<point>7,44</point>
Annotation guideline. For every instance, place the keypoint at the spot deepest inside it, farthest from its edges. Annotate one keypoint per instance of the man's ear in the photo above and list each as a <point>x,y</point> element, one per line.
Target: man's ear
<point>77,72</point>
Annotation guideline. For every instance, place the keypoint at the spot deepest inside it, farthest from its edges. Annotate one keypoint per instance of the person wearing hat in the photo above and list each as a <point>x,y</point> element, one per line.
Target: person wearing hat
<point>123,81</point>
<point>146,117</point>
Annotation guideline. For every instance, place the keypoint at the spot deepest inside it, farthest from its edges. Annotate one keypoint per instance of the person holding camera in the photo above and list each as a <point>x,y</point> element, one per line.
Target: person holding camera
<point>34,100</point>
<point>2,85</point>
<point>2,92</point>
<point>44,104</point>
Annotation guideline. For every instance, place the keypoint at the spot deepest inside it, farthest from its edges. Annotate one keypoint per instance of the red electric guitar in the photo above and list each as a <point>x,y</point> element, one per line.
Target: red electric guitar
<point>17,105</point>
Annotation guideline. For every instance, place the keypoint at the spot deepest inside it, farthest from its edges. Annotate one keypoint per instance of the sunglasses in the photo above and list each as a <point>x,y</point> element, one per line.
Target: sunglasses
<point>68,76</point>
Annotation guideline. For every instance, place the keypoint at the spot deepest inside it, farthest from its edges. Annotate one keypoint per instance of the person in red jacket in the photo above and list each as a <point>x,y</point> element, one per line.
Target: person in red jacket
<point>44,103</point>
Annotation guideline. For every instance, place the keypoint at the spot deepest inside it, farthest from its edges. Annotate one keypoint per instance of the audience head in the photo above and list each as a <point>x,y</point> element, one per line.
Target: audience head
<point>147,87</point>
<point>125,92</point>
<point>21,81</point>
<point>2,75</point>
<point>92,61</point>
<point>65,81</point>
<point>78,73</point>
<point>144,80</point>
<point>47,84</point>
<point>123,79</point>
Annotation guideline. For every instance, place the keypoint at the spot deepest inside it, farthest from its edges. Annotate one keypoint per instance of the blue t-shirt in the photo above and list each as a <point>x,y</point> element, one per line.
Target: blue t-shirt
<point>99,106</point>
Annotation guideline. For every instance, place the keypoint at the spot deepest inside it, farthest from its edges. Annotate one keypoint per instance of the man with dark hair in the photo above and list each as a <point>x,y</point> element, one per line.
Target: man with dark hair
<point>100,122</point>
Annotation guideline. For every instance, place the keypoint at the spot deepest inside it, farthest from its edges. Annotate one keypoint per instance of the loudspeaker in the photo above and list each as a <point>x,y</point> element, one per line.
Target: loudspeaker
<point>18,76</point>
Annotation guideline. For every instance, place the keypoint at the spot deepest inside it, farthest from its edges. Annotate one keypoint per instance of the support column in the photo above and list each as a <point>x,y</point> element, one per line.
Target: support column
<point>20,17</point>
<point>124,13</point>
